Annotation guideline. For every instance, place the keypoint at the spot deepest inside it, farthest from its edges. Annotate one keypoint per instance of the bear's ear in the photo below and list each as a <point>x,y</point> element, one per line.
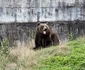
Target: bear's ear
<point>38,23</point>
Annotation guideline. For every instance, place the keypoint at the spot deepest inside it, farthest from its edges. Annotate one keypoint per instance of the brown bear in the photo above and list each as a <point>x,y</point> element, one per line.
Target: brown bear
<point>45,36</point>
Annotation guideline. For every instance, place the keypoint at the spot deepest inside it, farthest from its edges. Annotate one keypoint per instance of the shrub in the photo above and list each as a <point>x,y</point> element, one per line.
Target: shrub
<point>4,47</point>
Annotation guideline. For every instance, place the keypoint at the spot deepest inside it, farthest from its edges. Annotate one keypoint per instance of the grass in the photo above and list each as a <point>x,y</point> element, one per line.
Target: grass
<point>68,56</point>
<point>74,60</point>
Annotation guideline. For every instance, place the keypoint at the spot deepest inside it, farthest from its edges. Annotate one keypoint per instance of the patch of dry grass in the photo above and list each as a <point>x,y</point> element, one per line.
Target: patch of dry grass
<point>28,58</point>
<point>25,57</point>
<point>29,44</point>
<point>62,49</point>
<point>22,52</point>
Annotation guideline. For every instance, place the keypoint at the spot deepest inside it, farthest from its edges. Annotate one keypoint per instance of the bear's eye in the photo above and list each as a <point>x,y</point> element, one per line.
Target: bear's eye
<point>41,28</point>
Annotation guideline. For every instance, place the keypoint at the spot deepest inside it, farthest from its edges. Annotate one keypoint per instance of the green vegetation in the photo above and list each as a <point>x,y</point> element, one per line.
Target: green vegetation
<point>74,60</point>
<point>4,51</point>
<point>69,56</point>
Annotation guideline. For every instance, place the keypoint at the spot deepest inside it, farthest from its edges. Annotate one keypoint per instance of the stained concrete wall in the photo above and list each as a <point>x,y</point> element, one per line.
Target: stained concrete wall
<point>25,32</point>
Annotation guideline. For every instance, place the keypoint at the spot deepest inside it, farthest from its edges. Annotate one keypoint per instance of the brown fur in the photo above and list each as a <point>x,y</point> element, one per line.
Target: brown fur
<point>45,36</point>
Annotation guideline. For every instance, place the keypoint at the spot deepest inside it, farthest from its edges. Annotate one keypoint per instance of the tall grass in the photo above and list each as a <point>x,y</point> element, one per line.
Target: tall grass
<point>28,59</point>
<point>67,56</point>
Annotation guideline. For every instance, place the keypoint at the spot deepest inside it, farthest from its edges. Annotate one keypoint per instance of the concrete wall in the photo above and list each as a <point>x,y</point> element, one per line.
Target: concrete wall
<point>46,10</point>
<point>25,32</point>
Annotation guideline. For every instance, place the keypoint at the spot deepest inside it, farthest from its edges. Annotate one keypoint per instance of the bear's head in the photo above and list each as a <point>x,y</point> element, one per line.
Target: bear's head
<point>43,28</point>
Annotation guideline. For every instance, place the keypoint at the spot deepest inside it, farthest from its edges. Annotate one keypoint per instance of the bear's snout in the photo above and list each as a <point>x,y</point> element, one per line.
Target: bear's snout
<point>44,32</point>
